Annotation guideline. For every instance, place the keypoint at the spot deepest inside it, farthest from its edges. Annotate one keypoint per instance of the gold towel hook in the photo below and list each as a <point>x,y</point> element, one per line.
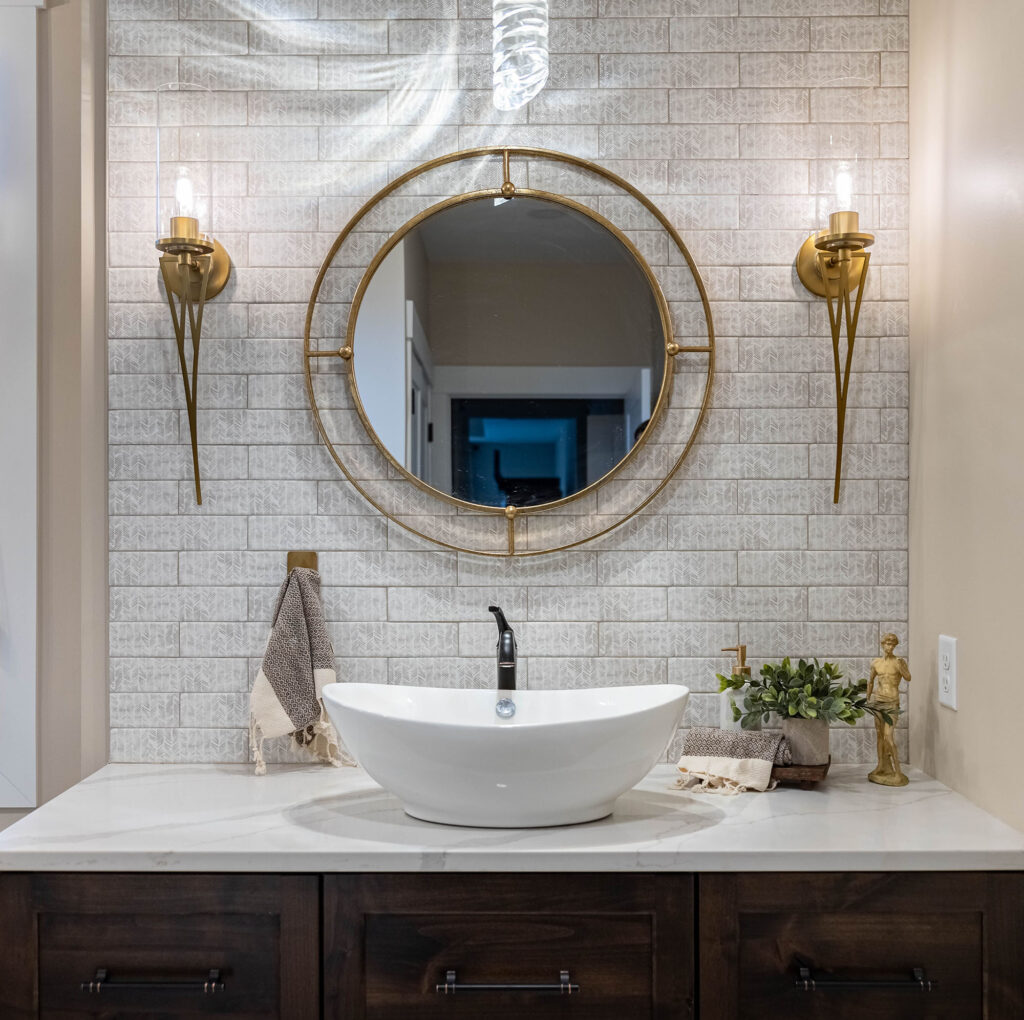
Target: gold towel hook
<point>302,558</point>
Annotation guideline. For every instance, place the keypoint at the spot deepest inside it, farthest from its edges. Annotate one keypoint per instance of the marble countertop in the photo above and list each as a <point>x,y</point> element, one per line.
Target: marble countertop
<point>313,819</point>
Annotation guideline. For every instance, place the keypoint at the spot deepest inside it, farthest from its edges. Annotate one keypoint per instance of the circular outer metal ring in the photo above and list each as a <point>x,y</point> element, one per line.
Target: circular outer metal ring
<point>672,348</point>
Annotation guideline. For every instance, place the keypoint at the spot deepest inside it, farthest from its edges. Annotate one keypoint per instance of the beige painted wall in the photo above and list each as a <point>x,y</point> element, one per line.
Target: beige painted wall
<point>554,313</point>
<point>72,664</point>
<point>967,392</point>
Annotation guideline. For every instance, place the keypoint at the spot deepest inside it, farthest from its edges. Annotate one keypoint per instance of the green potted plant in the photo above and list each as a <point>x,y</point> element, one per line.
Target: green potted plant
<point>807,697</point>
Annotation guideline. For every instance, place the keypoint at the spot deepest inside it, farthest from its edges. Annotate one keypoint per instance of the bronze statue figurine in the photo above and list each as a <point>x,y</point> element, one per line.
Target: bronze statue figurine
<point>887,672</point>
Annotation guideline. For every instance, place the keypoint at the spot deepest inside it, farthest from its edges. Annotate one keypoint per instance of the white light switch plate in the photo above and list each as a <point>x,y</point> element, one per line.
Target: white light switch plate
<point>947,671</point>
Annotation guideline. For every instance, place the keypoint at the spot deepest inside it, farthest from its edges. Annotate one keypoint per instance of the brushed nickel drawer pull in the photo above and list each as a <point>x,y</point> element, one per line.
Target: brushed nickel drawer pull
<point>211,985</point>
<point>451,986</point>
<point>809,981</point>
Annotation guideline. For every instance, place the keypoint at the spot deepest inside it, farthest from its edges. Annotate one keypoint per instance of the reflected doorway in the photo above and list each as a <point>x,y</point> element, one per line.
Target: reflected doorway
<point>524,451</point>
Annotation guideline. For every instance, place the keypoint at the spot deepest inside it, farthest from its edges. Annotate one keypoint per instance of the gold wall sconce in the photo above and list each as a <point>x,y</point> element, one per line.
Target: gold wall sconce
<point>194,267</point>
<point>833,264</point>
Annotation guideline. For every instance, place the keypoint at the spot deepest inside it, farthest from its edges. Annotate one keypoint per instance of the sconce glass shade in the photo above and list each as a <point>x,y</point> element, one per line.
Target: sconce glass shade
<point>520,48</point>
<point>183,174</point>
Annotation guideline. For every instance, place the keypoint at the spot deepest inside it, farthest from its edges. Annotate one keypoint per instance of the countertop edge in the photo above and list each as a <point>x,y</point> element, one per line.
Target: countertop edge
<point>308,820</point>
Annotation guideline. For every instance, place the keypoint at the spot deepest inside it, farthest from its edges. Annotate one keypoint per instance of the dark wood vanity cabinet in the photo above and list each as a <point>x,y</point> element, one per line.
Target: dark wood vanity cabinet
<point>898,946</point>
<point>600,947</point>
<point>127,947</point>
<point>615,946</point>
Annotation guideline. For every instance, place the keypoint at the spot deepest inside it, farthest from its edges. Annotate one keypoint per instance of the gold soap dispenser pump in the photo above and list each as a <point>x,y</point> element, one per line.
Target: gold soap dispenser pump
<point>739,668</point>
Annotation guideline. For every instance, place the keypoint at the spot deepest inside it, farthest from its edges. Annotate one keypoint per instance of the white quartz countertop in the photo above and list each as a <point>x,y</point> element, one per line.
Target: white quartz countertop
<point>314,819</point>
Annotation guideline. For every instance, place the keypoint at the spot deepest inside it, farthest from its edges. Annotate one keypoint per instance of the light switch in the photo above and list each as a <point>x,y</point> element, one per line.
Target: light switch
<point>947,671</point>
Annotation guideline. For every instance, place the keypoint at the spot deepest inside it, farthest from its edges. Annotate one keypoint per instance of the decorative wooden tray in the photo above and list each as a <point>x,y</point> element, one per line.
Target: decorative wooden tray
<point>804,776</point>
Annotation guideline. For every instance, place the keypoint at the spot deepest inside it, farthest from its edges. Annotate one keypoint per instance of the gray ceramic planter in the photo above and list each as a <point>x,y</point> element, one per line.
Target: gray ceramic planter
<point>808,740</point>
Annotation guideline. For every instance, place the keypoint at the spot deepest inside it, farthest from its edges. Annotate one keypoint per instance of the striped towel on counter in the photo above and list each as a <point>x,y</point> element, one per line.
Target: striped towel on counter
<point>298,661</point>
<point>730,762</point>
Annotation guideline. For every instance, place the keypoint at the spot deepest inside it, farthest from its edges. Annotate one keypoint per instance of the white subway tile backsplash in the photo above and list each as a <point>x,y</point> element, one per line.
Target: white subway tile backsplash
<point>256,72</point>
<point>669,142</point>
<point>666,568</point>
<point>667,8</point>
<point>664,639</point>
<point>807,70</point>
<point>309,36</point>
<point>867,603</point>
<point>150,744</point>
<point>134,74</point>
<point>142,497</point>
<point>177,532</point>
<point>738,35</point>
<point>737,106</point>
<point>669,70</point>
<point>752,529</point>
<point>176,38</point>
<point>213,568</point>
<point>152,568</point>
<point>257,10</point>
<point>726,113</point>
<point>858,531</point>
<point>885,33</point>
<point>599,106</point>
<point>163,462</point>
<point>734,603</point>
<point>145,675</point>
<point>534,638</point>
<point>249,497</point>
<point>455,603</point>
<point>144,710</point>
<point>317,532</point>
<point>177,603</point>
<point>344,605</point>
<point>807,567</point>
<point>215,710</point>
<point>553,673</point>
<point>143,639</point>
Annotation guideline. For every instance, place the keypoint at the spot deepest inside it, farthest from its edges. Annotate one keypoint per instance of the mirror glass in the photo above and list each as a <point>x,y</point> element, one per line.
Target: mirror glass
<point>508,351</point>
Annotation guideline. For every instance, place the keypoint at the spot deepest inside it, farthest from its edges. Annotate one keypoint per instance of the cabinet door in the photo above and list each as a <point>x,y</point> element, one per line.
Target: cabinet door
<point>179,946</point>
<point>405,947</point>
<point>904,946</point>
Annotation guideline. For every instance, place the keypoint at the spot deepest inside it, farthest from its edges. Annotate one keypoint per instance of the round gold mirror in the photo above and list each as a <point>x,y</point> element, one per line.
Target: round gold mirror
<point>508,352</point>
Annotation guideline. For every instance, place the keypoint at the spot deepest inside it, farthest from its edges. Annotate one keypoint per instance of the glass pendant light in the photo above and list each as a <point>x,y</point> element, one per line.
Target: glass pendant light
<point>520,51</point>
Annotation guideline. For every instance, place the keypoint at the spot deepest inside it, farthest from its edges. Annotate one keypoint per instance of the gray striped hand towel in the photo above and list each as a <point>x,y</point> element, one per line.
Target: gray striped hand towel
<point>298,661</point>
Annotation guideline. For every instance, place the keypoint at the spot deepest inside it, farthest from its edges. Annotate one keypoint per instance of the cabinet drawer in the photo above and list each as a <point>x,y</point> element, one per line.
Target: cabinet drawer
<point>133,946</point>
<point>839,947</point>
<point>624,942</point>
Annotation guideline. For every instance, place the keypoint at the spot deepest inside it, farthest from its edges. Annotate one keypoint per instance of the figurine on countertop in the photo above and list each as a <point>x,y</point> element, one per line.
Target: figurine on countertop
<point>887,672</point>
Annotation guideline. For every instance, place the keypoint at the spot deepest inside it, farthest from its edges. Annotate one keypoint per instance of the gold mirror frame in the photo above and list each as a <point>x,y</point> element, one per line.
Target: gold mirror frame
<point>509,190</point>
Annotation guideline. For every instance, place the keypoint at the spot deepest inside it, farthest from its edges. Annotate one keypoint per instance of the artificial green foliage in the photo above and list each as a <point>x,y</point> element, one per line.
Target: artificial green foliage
<point>809,690</point>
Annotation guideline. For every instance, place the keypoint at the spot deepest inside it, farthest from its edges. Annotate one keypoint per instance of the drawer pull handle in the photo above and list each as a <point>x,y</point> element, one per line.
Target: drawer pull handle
<point>211,985</point>
<point>809,981</point>
<point>451,986</point>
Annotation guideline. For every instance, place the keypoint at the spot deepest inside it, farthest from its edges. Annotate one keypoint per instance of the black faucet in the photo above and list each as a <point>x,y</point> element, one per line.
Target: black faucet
<point>506,651</point>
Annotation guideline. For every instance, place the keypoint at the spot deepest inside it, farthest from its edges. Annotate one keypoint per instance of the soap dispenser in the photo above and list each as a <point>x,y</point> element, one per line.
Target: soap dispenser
<point>739,668</point>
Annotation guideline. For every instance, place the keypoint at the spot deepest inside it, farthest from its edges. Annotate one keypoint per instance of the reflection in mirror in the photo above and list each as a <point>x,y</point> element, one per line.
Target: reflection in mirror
<point>509,352</point>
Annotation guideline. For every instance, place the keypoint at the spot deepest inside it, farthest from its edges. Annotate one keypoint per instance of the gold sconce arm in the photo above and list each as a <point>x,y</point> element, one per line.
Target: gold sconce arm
<point>194,269</point>
<point>834,265</point>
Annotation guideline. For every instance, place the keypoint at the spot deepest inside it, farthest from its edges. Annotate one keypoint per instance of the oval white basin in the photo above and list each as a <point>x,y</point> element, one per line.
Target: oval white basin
<point>562,758</point>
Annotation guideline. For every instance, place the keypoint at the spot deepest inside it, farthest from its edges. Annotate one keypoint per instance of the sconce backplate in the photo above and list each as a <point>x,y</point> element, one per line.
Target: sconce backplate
<point>220,271</point>
<point>808,268</point>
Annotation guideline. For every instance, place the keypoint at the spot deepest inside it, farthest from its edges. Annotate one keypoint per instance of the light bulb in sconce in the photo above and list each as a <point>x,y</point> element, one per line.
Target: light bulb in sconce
<point>843,187</point>
<point>184,194</point>
<point>520,51</point>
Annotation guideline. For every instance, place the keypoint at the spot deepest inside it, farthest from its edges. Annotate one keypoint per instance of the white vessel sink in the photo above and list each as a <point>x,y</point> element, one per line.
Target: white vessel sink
<point>562,758</point>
